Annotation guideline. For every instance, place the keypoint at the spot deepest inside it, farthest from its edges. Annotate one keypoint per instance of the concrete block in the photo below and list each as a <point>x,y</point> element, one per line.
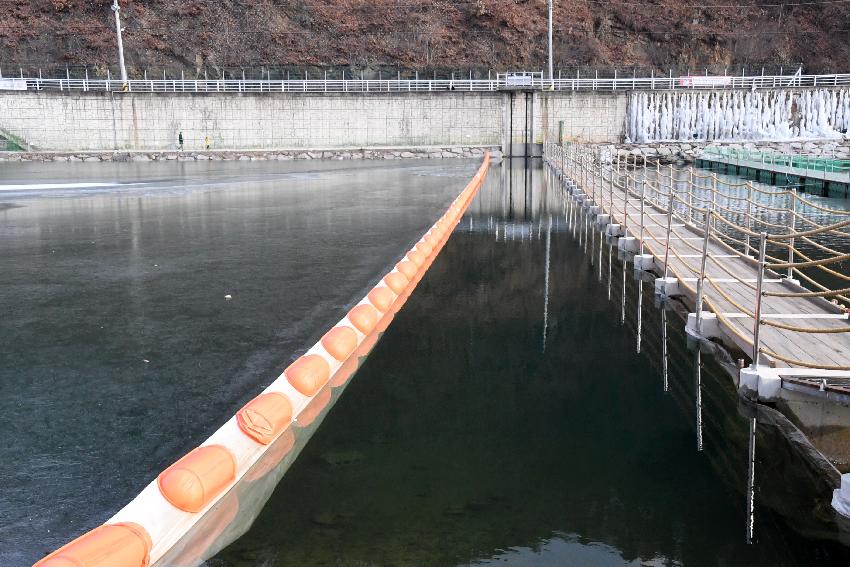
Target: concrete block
<point>644,262</point>
<point>614,230</point>
<point>668,287</point>
<point>709,323</point>
<point>628,244</point>
<point>841,496</point>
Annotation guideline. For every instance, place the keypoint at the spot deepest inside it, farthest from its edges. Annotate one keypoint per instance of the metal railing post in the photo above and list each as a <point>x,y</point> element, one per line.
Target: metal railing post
<point>713,195</point>
<point>703,262</point>
<point>759,293</point>
<point>626,197</point>
<point>747,246</point>
<point>792,222</point>
<point>642,201</point>
<point>691,187</point>
<point>669,226</point>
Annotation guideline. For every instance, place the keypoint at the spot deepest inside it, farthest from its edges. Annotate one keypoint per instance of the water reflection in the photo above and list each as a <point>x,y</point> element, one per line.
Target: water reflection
<point>459,442</point>
<point>118,350</point>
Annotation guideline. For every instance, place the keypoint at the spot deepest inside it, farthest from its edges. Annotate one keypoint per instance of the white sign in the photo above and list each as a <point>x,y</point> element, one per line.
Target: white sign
<point>702,81</point>
<point>13,84</point>
<point>518,80</point>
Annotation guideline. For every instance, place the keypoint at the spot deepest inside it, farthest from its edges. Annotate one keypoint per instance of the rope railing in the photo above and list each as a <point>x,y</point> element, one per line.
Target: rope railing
<point>754,225</point>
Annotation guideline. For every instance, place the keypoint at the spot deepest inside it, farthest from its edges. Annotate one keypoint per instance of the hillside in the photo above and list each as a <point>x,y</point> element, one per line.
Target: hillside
<point>191,35</point>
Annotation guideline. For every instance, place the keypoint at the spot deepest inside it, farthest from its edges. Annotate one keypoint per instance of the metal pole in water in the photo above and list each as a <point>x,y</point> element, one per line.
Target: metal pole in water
<point>117,9</point>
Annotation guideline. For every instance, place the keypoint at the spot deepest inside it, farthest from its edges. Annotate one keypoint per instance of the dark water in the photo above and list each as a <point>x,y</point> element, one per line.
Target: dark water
<point>506,417</point>
<point>118,350</point>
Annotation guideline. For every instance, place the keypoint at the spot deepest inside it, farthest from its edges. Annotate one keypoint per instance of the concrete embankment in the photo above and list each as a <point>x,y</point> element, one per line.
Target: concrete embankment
<point>420,152</point>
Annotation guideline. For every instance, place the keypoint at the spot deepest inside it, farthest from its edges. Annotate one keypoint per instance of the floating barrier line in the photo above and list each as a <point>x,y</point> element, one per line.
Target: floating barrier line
<point>152,524</point>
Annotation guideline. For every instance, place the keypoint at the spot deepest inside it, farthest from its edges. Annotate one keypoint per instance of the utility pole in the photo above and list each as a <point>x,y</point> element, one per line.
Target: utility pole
<point>551,68</point>
<point>117,10</point>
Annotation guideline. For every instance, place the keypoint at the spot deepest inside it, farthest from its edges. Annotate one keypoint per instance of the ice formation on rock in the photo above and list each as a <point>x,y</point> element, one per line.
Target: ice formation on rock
<point>737,115</point>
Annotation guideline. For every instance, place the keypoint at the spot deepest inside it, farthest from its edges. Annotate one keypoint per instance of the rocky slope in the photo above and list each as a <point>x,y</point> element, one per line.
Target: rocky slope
<point>192,35</point>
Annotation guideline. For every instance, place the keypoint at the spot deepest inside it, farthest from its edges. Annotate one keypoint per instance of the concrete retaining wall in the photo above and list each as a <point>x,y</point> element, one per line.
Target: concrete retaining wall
<point>104,121</point>
<point>100,121</point>
<point>586,117</point>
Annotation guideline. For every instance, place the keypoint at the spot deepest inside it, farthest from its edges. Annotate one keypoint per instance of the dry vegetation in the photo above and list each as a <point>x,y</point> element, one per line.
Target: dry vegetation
<point>419,34</point>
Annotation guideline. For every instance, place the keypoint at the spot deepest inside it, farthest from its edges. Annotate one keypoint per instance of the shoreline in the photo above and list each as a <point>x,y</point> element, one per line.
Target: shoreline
<point>273,154</point>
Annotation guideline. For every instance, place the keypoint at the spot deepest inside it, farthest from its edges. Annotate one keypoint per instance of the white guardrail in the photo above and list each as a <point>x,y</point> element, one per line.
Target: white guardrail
<point>517,81</point>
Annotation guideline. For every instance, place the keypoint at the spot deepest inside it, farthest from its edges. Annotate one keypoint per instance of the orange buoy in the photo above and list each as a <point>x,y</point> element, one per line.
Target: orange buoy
<point>416,257</point>
<point>308,374</point>
<point>396,281</point>
<point>364,317</point>
<point>263,418</point>
<point>309,414</point>
<point>407,268</point>
<point>382,298</point>
<point>340,342</point>
<point>424,247</point>
<point>195,480</point>
<point>111,545</point>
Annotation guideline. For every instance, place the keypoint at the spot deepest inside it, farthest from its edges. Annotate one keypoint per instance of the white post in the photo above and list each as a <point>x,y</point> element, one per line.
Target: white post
<point>118,30</point>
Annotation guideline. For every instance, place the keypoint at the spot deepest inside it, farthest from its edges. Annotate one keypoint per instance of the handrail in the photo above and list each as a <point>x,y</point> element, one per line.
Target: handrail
<point>732,226</point>
<point>501,82</point>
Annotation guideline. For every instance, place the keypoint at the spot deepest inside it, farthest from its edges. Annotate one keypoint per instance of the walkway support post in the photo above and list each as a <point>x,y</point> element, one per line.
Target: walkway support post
<point>759,294</point>
<point>117,9</point>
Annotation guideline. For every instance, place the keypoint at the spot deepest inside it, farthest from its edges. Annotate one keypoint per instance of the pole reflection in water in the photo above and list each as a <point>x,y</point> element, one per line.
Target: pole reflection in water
<point>639,314</point>
<point>610,268</point>
<point>698,390</point>
<point>751,476</point>
<point>664,361</point>
<point>623,302</point>
<point>546,282</point>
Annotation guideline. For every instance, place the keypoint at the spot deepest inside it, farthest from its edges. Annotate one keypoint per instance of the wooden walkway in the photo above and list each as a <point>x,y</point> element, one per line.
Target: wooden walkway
<point>818,350</point>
